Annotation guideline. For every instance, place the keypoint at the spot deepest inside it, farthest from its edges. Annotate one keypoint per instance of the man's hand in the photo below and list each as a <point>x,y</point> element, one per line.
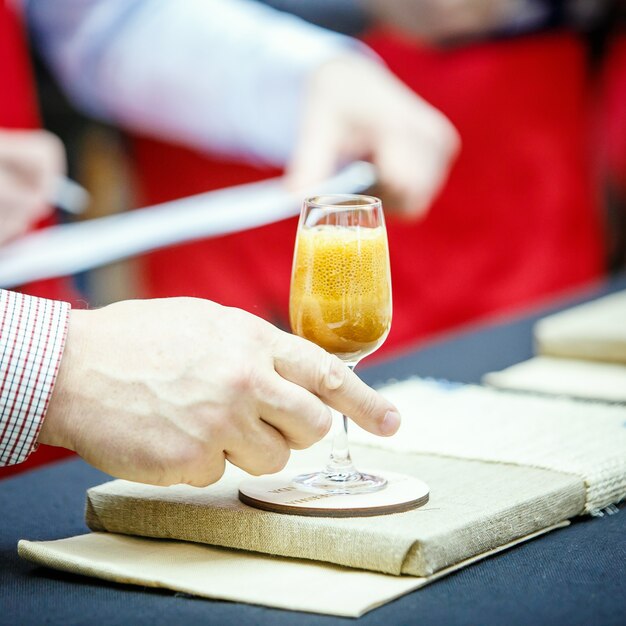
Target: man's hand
<point>165,391</point>
<point>357,109</point>
<point>30,163</point>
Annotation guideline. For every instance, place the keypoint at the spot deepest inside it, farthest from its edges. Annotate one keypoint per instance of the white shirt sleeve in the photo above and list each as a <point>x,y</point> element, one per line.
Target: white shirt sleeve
<point>221,75</point>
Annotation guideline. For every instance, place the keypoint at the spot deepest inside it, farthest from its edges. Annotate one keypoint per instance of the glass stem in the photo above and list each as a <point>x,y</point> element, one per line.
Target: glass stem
<point>340,466</point>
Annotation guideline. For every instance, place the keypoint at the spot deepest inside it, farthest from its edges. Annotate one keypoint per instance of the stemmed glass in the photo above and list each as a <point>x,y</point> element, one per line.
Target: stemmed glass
<point>340,299</point>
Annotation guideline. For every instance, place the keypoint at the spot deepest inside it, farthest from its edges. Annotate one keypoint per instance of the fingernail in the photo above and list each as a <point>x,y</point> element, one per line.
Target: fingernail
<point>391,423</point>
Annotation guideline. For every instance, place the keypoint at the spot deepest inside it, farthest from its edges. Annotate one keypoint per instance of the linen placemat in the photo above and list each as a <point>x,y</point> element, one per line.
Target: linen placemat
<point>595,330</point>
<point>234,575</point>
<point>582,354</point>
<point>584,439</point>
<point>590,380</point>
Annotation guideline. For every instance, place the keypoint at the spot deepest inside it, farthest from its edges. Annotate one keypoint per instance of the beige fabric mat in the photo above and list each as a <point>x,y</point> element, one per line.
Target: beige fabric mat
<point>585,439</point>
<point>229,574</point>
<point>474,507</point>
<point>501,467</point>
<point>591,380</point>
<point>595,330</point>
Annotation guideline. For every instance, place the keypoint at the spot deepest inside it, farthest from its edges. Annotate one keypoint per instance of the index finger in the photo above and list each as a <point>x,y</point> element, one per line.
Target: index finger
<point>311,367</point>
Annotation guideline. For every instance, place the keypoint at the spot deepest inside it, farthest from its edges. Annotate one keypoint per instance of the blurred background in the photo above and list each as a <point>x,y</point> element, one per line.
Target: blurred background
<point>535,204</point>
<point>537,92</point>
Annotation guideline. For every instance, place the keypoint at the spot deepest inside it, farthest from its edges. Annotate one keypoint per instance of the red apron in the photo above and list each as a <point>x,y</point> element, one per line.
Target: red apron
<point>18,110</point>
<point>518,220</point>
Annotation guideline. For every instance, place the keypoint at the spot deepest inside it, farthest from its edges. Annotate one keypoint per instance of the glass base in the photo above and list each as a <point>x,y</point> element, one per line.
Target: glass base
<point>340,483</point>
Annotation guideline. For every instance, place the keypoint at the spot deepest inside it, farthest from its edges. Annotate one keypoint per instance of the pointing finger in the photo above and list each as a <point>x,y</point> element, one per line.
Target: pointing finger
<point>307,365</point>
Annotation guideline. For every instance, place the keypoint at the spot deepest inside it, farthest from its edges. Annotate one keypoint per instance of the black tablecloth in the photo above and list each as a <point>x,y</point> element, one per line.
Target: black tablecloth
<point>576,575</point>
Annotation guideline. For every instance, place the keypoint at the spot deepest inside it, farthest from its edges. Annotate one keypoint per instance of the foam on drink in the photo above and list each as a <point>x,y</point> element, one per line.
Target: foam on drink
<point>340,290</point>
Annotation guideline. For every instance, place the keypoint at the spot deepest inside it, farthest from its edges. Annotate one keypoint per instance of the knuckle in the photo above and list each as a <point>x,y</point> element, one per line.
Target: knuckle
<point>276,460</point>
<point>265,389</point>
<point>239,380</point>
<point>190,456</point>
<point>181,458</point>
<point>316,428</point>
<point>323,425</point>
<point>218,467</point>
<point>298,445</point>
<point>209,475</point>
<point>333,373</point>
<point>217,426</point>
<point>208,472</point>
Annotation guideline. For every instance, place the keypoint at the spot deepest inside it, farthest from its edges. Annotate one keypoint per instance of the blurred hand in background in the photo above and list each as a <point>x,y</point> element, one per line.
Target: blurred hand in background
<point>30,164</point>
<point>238,79</point>
<point>355,108</point>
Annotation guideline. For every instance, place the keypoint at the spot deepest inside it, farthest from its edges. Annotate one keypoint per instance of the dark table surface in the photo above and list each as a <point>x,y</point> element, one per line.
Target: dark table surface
<point>576,575</point>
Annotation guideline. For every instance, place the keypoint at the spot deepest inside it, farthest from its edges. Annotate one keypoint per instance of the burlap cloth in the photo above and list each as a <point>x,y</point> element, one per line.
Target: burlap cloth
<point>474,507</point>
<point>500,466</point>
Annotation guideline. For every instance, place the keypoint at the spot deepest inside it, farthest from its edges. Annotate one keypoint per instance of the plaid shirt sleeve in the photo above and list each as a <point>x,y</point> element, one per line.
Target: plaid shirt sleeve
<point>32,336</point>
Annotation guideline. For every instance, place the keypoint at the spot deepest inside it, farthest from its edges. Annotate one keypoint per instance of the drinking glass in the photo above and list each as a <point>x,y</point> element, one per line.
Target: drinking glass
<point>340,299</point>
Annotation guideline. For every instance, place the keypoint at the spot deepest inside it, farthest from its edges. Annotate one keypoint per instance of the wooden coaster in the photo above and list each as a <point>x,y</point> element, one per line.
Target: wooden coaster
<point>278,494</point>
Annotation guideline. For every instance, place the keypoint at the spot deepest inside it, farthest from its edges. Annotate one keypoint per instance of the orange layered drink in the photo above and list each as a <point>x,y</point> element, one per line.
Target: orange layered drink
<point>341,289</point>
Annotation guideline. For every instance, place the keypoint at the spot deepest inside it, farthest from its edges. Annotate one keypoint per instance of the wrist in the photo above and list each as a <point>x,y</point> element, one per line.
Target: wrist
<point>59,424</point>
